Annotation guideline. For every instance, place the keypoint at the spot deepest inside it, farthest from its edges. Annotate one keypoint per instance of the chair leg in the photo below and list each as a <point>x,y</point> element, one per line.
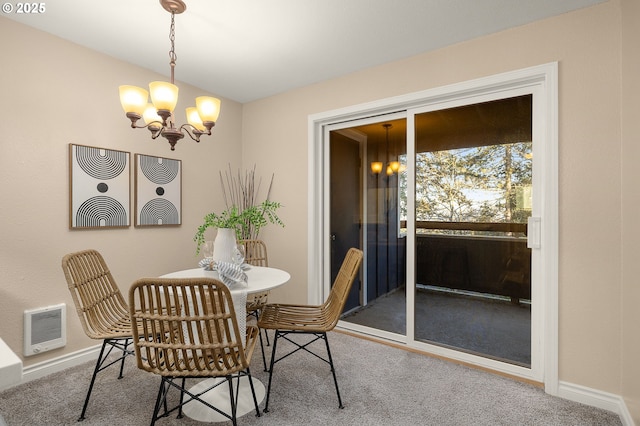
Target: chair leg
<point>333,370</point>
<point>182,387</point>
<point>162,398</point>
<point>100,365</point>
<point>125,352</point>
<point>256,315</point>
<point>266,335</point>
<point>264,358</point>
<point>253,392</point>
<point>273,358</point>
<point>93,379</point>
<point>233,399</point>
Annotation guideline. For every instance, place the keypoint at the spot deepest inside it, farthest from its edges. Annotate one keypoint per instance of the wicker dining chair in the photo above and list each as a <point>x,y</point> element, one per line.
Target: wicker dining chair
<point>198,340</point>
<point>256,255</point>
<point>289,319</point>
<point>101,307</point>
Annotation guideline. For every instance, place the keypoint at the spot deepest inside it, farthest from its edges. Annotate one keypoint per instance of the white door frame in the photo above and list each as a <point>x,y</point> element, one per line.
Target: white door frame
<point>542,82</point>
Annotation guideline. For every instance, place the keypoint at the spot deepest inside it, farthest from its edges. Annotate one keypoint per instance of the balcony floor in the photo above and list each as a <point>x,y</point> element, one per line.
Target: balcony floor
<point>488,327</point>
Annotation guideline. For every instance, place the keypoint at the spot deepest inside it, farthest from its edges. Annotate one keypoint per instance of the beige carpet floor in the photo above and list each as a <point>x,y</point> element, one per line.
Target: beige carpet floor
<point>380,385</point>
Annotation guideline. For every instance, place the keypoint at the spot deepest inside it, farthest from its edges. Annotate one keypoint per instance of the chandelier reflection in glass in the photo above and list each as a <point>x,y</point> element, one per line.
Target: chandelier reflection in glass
<point>158,114</point>
<point>393,167</point>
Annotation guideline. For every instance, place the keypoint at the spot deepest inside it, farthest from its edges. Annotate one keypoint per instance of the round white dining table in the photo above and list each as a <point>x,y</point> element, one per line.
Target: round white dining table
<point>259,279</point>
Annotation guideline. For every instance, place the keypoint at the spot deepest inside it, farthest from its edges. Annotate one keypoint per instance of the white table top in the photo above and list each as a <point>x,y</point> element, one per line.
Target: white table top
<point>259,278</point>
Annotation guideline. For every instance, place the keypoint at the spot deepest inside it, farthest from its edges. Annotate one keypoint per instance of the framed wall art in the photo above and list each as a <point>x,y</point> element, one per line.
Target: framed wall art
<point>99,186</point>
<point>158,194</point>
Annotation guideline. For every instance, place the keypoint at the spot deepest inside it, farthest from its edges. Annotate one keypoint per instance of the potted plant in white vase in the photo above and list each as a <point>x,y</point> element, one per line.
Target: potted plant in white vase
<point>234,224</point>
<point>243,213</point>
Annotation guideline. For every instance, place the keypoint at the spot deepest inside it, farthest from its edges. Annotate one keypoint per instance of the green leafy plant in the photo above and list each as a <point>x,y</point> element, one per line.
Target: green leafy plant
<point>243,213</point>
<point>250,219</point>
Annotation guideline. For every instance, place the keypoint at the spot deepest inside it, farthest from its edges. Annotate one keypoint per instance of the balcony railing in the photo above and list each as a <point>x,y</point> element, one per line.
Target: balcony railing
<point>515,228</point>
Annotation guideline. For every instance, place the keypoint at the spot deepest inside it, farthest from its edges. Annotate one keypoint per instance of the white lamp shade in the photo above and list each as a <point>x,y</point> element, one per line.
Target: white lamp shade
<point>163,95</point>
<point>150,115</point>
<point>193,118</point>
<point>395,166</point>
<point>133,99</point>
<point>376,167</point>
<point>208,108</point>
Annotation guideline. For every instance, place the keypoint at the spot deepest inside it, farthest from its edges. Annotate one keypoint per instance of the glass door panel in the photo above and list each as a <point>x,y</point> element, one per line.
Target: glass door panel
<point>382,302</point>
<point>473,173</point>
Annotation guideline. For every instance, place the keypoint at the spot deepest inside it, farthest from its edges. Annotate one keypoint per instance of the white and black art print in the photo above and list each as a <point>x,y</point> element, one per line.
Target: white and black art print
<point>99,186</point>
<point>158,196</point>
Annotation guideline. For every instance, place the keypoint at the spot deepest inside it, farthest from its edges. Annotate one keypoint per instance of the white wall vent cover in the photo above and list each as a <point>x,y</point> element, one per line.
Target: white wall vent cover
<point>45,329</point>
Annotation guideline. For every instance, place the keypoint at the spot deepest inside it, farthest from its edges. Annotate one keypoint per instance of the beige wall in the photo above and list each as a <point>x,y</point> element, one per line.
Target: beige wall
<point>597,290</point>
<point>55,93</point>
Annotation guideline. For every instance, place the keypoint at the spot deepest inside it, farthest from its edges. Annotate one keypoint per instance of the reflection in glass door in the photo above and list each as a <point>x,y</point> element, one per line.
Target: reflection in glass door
<point>382,301</point>
<point>473,173</point>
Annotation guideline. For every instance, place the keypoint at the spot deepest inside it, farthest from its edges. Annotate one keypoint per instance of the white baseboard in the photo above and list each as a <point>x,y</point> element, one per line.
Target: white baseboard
<point>63,362</point>
<point>595,398</point>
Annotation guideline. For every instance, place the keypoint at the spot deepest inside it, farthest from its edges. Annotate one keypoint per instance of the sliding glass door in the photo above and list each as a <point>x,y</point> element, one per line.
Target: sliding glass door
<point>473,182</point>
<point>452,195</point>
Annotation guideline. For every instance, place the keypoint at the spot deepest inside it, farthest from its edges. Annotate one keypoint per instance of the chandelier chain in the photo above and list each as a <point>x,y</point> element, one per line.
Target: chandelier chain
<point>172,53</point>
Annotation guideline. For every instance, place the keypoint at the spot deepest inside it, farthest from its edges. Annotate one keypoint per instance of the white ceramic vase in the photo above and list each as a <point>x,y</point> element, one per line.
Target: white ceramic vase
<point>224,245</point>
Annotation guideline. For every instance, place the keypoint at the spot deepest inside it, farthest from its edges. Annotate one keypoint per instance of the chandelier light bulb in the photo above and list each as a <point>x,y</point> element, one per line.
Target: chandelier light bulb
<point>376,167</point>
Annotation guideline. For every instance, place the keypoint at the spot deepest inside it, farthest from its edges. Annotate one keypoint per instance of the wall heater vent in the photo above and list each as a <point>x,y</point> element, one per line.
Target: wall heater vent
<point>45,329</point>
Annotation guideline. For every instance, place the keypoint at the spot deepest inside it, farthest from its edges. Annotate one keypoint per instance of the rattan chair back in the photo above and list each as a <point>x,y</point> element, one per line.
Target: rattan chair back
<point>320,318</point>
<point>289,319</point>
<point>333,306</point>
<point>192,326</point>
<point>255,252</point>
<point>256,255</point>
<point>101,307</point>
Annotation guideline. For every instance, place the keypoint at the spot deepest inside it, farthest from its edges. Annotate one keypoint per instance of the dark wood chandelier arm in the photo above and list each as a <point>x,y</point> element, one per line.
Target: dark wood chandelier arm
<point>193,132</point>
<point>155,127</point>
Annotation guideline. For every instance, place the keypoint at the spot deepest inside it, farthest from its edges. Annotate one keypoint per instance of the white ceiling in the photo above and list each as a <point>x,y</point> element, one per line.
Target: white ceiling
<point>249,49</point>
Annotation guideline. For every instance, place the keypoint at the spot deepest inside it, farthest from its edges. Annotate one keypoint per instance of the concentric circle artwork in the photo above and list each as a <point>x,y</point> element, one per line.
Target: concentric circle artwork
<point>159,211</point>
<point>99,187</point>
<point>101,211</point>
<point>158,198</point>
<point>158,170</point>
